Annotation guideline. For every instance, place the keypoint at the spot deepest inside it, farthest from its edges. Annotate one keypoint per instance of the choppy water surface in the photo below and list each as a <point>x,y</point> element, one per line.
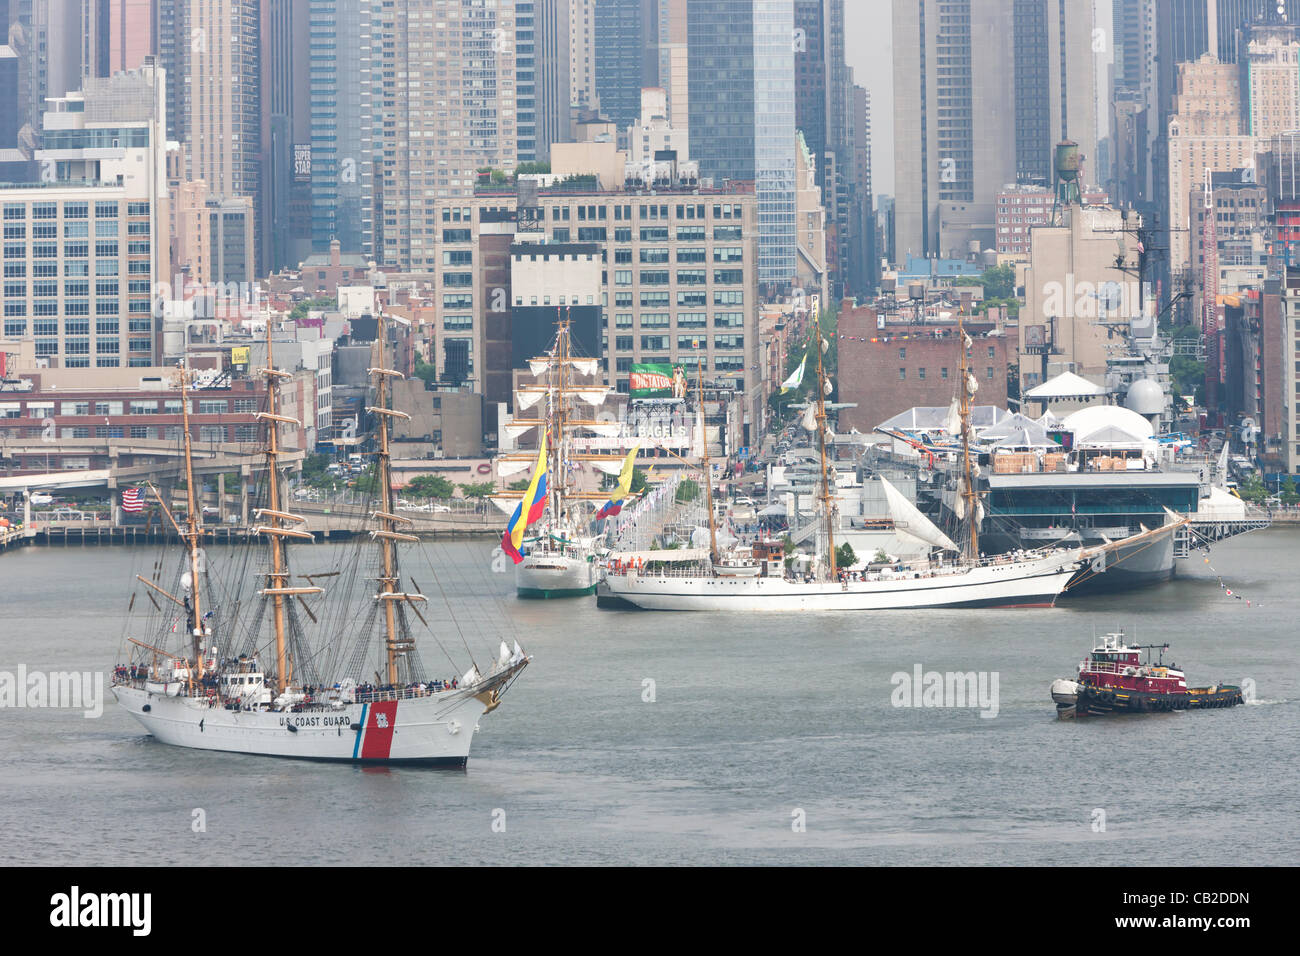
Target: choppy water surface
<point>756,723</point>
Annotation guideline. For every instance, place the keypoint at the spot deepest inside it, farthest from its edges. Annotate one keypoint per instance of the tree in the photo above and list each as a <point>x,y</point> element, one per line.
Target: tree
<point>638,481</point>
<point>688,490</point>
<point>479,489</point>
<point>368,481</point>
<point>881,557</point>
<point>431,486</point>
<point>321,304</point>
<point>1252,489</point>
<point>425,372</point>
<point>1288,493</point>
<point>845,556</point>
<point>520,485</point>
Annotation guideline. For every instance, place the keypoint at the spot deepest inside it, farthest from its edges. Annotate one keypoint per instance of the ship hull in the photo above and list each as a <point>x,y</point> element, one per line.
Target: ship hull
<point>555,576</point>
<point>1035,583</point>
<point>1100,702</point>
<point>435,730</point>
<point>1130,567</point>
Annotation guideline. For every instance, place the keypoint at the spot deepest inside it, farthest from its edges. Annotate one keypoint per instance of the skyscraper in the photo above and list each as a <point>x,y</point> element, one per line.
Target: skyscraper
<point>340,169</point>
<point>437,119</point>
<point>742,114</point>
<point>542,64</point>
<point>619,38</point>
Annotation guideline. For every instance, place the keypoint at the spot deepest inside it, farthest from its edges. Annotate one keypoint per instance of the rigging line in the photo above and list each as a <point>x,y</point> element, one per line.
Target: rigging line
<point>455,623</point>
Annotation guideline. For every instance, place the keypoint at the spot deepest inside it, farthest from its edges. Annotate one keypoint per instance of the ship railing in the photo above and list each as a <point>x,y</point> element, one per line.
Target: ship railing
<point>404,693</point>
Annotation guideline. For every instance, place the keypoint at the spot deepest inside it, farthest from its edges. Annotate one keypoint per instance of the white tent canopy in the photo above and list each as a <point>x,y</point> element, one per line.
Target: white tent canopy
<point>1066,385</point>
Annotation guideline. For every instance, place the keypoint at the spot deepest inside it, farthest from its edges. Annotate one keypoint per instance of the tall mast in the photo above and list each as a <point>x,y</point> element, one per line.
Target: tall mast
<point>385,535</point>
<point>821,443</point>
<point>559,365</point>
<point>964,410</point>
<point>278,580</point>
<point>278,585</point>
<point>708,469</point>
<point>193,525</point>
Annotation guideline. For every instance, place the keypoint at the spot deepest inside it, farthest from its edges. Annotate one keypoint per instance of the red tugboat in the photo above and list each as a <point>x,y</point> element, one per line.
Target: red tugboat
<point>1115,680</point>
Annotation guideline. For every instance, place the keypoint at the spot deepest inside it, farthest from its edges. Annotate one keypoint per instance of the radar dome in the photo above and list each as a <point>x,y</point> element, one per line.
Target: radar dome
<point>1145,397</point>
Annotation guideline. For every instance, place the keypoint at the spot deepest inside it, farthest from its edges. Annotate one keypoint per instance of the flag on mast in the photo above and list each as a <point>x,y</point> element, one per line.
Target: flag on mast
<point>132,500</point>
<point>528,510</point>
<point>796,377</point>
<point>622,489</point>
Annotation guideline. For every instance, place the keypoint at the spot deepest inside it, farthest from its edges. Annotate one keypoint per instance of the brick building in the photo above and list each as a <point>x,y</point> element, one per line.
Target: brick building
<point>891,369</point>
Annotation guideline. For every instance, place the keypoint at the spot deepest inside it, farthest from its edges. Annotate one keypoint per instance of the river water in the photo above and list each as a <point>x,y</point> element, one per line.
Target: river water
<point>699,738</point>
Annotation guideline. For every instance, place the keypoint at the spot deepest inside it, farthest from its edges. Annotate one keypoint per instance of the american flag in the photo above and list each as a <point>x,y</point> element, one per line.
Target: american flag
<point>132,499</point>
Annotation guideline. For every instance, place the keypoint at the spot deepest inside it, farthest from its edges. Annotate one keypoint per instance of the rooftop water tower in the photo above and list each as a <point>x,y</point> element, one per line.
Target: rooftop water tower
<point>1067,166</point>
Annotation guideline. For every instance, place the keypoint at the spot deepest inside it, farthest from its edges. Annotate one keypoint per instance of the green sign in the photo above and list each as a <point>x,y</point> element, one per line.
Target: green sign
<point>657,383</point>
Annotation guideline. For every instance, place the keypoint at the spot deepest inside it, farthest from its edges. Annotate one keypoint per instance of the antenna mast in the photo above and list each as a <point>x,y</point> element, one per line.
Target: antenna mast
<point>821,442</point>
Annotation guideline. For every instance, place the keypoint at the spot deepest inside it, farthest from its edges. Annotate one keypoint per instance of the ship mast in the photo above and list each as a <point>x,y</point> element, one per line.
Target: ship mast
<point>193,525</point>
<point>559,368</point>
<point>277,586</point>
<point>387,537</point>
<point>964,410</point>
<point>821,443</point>
<point>708,469</point>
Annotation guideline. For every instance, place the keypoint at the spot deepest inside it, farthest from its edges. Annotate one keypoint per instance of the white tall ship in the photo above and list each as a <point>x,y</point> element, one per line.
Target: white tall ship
<point>562,557</point>
<point>354,690</point>
<point>949,576</point>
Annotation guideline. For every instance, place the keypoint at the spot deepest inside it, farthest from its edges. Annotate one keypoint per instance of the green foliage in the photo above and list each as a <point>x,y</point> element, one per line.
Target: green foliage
<point>314,473</point>
<point>688,490</point>
<point>498,176</point>
<point>479,489</point>
<point>1287,492</point>
<point>323,304</point>
<point>425,372</point>
<point>789,545</point>
<point>999,282</point>
<point>368,481</point>
<point>880,557</point>
<point>1188,375</point>
<point>529,169</point>
<point>431,486</point>
<point>845,556</point>
<point>1253,489</point>
<point>638,481</point>
<point>520,485</point>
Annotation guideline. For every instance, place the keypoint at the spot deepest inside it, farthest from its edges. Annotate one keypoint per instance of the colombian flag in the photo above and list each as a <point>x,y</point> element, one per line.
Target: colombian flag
<point>621,490</point>
<point>528,510</point>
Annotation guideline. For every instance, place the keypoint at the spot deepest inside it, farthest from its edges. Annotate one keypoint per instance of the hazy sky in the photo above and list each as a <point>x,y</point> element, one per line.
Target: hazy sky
<point>869,52</point>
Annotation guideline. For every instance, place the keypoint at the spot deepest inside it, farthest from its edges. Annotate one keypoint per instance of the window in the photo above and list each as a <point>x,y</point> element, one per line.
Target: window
<point>902,353</point>
<point>655,320</point>
<point>654,256</point>
<point>657,300</point>
<point>623,343</point>
<point>654,342</point>
<point>457,257</point>
<point>728,320</point>
<point>457,300</point>
<point>457,323</point>
<point>729,342</point>
<point>622,277</point>
<point>654,234</point>
<point>727,297</point>
<point>698,297</point>
<point>456,235</point>
<point>727,232</point>
<point>692,320</point>
<point>920,373</point>
<point>654,277</point>
<point>209,406</point>
<point>691,277</point>
<point>690,234</point>
<point>728,254</point>
<point>902,374</point>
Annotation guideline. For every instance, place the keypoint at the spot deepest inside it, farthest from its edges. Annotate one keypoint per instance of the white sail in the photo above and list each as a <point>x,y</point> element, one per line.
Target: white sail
<point>538,366</point>
<point>914,523</point>
<point>505,468</point>
<point>526,400</point>
<point>605,429</point>
<point>586,366</point>
<point>608,467</point>
<point>592,396</point>
<point>506,504</point>
<point>952,424</point>
<point>809,420</point>
<point>514,431</point>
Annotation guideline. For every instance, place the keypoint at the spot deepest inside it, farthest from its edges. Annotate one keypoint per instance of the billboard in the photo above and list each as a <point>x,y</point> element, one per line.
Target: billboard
<point>302,162</point>
<point>657,383</point>
<point>239,356</point>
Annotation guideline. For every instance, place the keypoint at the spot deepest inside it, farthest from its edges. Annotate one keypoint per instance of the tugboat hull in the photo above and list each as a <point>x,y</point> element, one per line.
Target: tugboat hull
<point>1101,701</point>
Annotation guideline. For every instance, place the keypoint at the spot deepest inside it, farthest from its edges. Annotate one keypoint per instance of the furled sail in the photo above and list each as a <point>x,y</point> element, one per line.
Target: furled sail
<point>526,400</point>
<point>604,429</point>
<point>506,468</point>
<point>586,366</point>
<point>608,467</point>
<point>912,521</point>
<point>506,503</point>
<point>809,420</point>
<point>952,424</point>
<point>539,366</point>
<point>592,396</point>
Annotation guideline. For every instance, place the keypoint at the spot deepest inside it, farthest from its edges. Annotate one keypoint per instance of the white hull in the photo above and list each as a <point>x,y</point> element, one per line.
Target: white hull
<point>1027,583</point>
<point>543,574</point>
<point>435,729</point>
